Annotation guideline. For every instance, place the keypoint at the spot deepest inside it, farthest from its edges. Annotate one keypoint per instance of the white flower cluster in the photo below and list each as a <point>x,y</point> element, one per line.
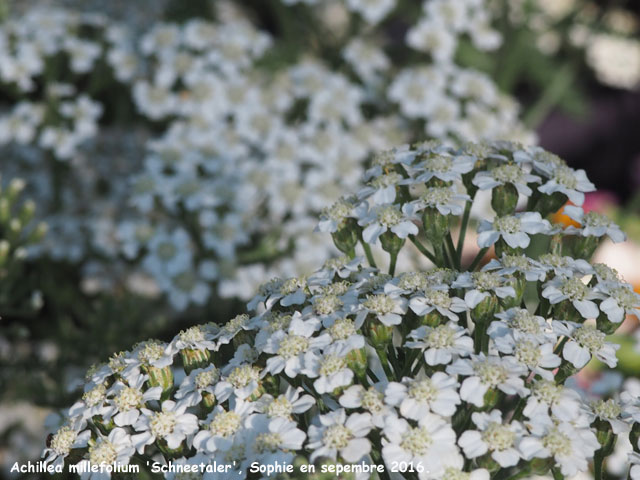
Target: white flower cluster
<point>447,370</point>
<point>239,147</point>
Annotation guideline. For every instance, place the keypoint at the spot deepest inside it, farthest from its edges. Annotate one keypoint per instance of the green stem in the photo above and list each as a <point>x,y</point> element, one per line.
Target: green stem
<point>392,263</point>
<point>367,252</point>
<point>598,458</point>
<point>476,260</point>
<point>423,249</point>
<point>463,232</point>
<point>452,252</point>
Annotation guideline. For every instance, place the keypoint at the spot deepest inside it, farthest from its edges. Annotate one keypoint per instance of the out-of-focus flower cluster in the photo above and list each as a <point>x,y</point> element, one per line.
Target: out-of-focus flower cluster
<point>243,154</point>
<point>606,34</point>
<point>452,372</point>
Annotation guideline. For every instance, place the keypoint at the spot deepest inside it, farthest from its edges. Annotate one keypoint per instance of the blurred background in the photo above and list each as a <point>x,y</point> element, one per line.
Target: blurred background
<point>160,159</point>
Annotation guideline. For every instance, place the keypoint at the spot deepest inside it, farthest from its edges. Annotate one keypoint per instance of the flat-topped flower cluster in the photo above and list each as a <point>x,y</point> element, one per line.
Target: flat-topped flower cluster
<point>454,372</point>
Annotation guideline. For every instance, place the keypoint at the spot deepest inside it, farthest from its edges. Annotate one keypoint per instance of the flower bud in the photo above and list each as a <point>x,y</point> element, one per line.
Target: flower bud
<point>435,224</point>
<point>504,199</point>
<point>379,334</point>
<point>346,238</point>
<point>483,312</point>
<point>391,243</point>
<point>357,361</point>
<point>584,247</point>
<point>160,377</point>
<point>208,401</point>
<point>433,319</point>
<point>192,359</point>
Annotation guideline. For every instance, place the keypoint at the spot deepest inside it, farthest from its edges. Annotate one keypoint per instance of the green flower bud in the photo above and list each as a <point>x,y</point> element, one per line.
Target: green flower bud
<point>192,359</point>
<point>391,243</point>
<point>584,247</point>
<point>504,199</point>
<point>379,334</point>
<point>484,311</point>
<point>358,362</point>
<point>435,224</point>
<point>208,401</point>
<point>491,398</point>
<point>433,319</point>
<point>346,238</point>
<point>160,377</point>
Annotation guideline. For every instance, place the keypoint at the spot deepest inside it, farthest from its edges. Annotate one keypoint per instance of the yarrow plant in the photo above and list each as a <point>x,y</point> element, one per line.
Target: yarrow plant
<point>451,372</point>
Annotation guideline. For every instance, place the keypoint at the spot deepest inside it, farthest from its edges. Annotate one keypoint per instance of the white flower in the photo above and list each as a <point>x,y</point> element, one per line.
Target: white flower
<point>583,342</point>
<point>388,307</point>
<point>445,199</point>
<point>442,343</point>
<point>171,424</point>
<point>333,218</point>
<point>575,291</point>
<point>430,300</point>
<point>594,224</point>
<point>484,373</point>
<point>481,285</point>
<point>573,183</point>
<point>370,399</point>
<point>548,397</point>
<point>537,357</point>
<point>329,368</point>
<point>221,426</point>
<point>434,38</point>
<point>444,167</point>
<point>286,404</point>
<point>241,381</point>
<point>336,434</point>
<point>414,397</point>
<point>199,381</point>
<point>502,440</point>
<point>564,266</point>
<point>621,300</point>
<point>516,264</point>
<point>431,444</point>
<point>570,446</point>
<point>609,411</point>
<point>289,348</point>
<point>381,219</point>
<point>382,189</point>
<point>125,399</point>
<point>274,439</point>
<point>198,337</point>
<point>513,174</point>
<point>62,442</point>
<point>114,449</point>
<point>520,320</point>
<point>514,229</point>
